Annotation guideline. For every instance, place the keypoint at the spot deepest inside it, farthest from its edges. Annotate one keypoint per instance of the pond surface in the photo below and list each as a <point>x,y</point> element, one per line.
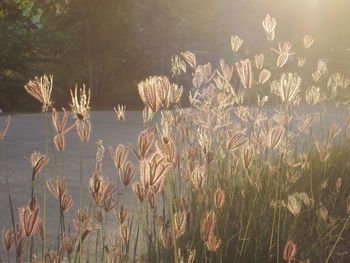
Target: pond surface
<point>27,134</point>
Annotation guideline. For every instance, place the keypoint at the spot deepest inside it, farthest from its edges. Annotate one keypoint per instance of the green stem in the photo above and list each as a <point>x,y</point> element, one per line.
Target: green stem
<point>338,238</point>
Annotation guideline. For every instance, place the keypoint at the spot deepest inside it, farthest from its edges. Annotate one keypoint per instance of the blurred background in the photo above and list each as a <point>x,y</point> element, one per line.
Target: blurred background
<point>111,45</point>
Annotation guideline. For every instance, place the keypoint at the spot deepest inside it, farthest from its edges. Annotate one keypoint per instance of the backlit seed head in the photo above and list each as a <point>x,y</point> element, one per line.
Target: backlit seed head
<point>127,172</point>
<point>118,155</point>
<point>275,137</point>
<point>213,243</point>
<point>84,130</point>
<point>219,198</point>
<point>8,236</point>
<point>82,215</point>
<point>180,222</point>
<point>145,141</point>
<point>236,141</point>
<point>301,62</point>
<point>247,157</point>
<point>40,89</point>
<point>122,214</point>
<point>244,70</point>
<point>124,232</point>
<point>178,65</point>
<point>139,191</point>
<point>190,58</point>
<point>259,61</point>
<point>59,142</point>
<point>166,236</point>
<point>120,112</point>
<point>269,25</point>
<point>264,76</point>
<point>51,256</point>
<point>151,200</point>
<point>57,186</point>
<point>290,251</point>
<point>66,202</point>
<point>28,219</point>
<point>308,41</point>
<point>80,103</point>
<point>236,43</point>
<point>68,243</point>
<point>226,70</point>
<point>39,161</point>
<point>208,225</point>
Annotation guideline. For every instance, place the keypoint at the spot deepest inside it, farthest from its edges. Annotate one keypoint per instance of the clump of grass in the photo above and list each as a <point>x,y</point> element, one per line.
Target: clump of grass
<point>228,179</point>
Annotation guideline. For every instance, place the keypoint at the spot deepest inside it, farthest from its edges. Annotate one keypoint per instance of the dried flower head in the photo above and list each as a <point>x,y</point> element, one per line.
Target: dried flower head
<point>140,191</point>
<point>236,141</point>
<point>66,202</point>
<point>145,141</point>
<point>244,69</point>
<point>213,243</point>
<point>269,25</point>
<point>289,252</point>
<point>177,65</point>
<point>180,223</point>
<point>38,161</point>
<point>57,187</point>
<point>51,256</point>
<point>40,89</point>
<point>120,112</point>
<point>127,172</point>
<point>208,225</point>
<point>8,236</point>
<point>148,91</point>
<point>236,43</point>
<point>219,198</point>
<point>313,95</point>
<point>68,243</point>
<point>275,137</point>
<point>190,58</point>
<point>264,76</point>
<point>288,87</point>
<point>124,232</point>
<point>259,61</point>
<point>122,214</point>
<point>301,62</point>
<point>84,130</point>
<point>166,236</point>
<point>28,219</point>
<point>283,53</point>
<point>80,103</point>
<point>118,155</point>
<point>308,41</point>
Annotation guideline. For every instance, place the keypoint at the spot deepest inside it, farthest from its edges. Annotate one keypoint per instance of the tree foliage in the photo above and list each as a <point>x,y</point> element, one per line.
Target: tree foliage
<point>112,45</point>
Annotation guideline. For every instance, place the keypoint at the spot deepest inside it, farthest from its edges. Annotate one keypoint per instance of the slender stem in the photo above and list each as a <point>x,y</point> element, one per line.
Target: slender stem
<point>43,248</point>
<point>81,203</point>
<point>338,238</point>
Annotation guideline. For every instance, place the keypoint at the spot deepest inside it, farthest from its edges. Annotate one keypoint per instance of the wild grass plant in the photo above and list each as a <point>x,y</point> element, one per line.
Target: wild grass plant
<point>232,178</point>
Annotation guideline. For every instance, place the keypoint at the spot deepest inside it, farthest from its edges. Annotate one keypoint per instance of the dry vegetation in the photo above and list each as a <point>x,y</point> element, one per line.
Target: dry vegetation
<point>219,181</point>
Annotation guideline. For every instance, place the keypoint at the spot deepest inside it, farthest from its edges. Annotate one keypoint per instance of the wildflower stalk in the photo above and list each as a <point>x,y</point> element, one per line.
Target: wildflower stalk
<point>43,249</point>
<point>248,224</point>
<point>11,209</point>
<point>81,203</point>
<point>171,215</point>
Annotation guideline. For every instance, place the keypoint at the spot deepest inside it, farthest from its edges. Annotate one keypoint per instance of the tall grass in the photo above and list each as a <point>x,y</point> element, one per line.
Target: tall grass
<point>238,176</point>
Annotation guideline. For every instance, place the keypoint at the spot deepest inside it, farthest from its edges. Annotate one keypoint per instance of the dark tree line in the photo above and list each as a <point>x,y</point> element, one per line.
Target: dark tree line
<point>111,45</point>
